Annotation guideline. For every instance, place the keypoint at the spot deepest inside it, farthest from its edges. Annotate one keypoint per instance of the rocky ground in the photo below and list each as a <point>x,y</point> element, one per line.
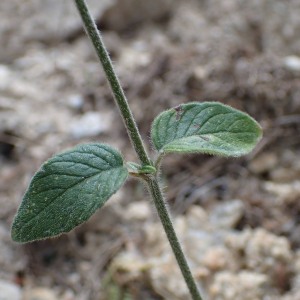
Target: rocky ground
<point>238,219</point>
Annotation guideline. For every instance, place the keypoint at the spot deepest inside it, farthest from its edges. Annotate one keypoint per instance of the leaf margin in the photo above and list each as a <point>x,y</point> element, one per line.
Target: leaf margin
<point>17,236</point>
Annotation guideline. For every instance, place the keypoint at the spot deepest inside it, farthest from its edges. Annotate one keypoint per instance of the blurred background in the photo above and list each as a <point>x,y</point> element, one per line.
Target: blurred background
<point>238,219</point>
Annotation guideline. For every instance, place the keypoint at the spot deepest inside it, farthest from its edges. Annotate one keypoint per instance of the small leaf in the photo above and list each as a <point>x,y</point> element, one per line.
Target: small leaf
<point>147,170</point>
<point>133,166</point>
<point>67,190</point>
<point>141,169</point>
<point>208,127</point>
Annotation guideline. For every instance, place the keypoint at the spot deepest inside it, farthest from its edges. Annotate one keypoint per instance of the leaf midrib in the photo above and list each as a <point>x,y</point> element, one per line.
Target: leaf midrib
<point>204,134</point>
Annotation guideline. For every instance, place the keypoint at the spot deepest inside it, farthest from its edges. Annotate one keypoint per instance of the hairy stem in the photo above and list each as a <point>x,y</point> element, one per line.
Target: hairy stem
<point>138,145</point>
<point>164,215</point>
<point>119,96</point>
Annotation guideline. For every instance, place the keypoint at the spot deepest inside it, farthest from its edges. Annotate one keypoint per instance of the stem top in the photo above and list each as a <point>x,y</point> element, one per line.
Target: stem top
<point>119,96</point>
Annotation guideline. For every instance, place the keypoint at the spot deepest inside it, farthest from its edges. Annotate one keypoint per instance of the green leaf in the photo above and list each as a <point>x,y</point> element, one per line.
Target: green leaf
<point>208,127</point>
<point>147,170</point>
<point>67,190</point>
<point>133,166</point>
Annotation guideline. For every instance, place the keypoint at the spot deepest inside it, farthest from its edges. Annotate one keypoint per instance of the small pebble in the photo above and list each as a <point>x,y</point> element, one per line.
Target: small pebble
<point>292,62</point>
<point>9,291</point>
<point>39,294</point>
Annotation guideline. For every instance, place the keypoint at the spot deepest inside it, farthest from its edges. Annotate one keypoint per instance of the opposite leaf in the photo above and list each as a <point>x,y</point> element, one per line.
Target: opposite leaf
<point>208,127</point>
<point>67,190</point>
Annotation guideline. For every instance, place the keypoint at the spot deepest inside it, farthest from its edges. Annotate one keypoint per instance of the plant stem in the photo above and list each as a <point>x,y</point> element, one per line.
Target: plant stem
<point>119,96</point>
<point>138,145</point>
<point>164,215</point>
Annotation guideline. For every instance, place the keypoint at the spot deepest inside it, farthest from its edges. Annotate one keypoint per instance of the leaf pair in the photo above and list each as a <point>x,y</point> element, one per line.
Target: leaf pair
<point>72,185</point>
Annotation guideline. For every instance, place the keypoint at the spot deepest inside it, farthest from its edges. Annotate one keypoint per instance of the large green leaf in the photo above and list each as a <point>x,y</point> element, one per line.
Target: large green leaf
<point>208,127</point>
<point>67,190</point>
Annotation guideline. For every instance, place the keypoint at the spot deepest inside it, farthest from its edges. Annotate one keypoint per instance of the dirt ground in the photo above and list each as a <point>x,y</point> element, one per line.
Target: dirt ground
<point>238,219</point>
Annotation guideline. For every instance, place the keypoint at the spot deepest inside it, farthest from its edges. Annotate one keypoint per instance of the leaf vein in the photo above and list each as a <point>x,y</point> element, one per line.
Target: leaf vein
<point>66,190</point>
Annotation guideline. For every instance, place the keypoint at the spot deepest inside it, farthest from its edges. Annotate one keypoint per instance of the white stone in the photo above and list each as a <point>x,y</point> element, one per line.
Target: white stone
<point>292,63</point>
<point>227,215</point>
<point>75,101</point>
<point>56,19</point>
<point>264,249</point>
<point>286,192</point>
<point>197,217</point>
<point>5,77</point>
<point>139,210</point>
<point>9,291</point>
<point>241,286</point>
<point>89,124</point>
<point>39,293</point>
